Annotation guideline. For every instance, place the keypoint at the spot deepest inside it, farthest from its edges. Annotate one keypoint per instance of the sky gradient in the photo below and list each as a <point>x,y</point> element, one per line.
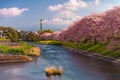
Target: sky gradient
<point>56,14</point>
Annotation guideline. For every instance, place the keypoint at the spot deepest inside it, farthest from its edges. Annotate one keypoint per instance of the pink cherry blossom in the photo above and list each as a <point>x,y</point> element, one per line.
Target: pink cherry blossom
<point>95,27</point>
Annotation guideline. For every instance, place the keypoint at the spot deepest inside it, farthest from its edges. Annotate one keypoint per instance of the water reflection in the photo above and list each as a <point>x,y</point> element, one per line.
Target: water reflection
<point>54,78</point>
<point>108,70</point>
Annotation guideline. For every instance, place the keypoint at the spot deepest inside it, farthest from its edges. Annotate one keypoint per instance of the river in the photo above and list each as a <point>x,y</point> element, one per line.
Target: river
<point>75,66</point>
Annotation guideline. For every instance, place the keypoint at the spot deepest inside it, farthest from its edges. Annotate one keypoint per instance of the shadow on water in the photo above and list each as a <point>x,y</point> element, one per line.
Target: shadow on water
<point>109,70</point>
<point>75,67</point>
<point>54,78</point>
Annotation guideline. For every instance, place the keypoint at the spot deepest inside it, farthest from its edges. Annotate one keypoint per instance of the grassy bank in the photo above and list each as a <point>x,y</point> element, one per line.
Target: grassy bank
<point>4,40</point>
<point>20,48</point>
<point>50,42</point>
<point>98,48</point>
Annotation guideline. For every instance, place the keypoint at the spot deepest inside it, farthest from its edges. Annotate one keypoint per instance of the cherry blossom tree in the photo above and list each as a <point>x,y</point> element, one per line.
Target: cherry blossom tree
<point>95,27</point>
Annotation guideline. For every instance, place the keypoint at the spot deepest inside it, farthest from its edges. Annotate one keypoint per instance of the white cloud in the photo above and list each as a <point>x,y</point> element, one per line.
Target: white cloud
<point>62,18</point>
<point>14,11</point>
<point>97,2</point>
<point>55,8</point>
<point>70,5</point>
<point>67,15</point>
<point>66,10</point>
<point>57,21</point>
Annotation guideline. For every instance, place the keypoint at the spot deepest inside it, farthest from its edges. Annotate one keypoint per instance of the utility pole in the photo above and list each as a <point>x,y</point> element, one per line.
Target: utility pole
<point>41,25</point>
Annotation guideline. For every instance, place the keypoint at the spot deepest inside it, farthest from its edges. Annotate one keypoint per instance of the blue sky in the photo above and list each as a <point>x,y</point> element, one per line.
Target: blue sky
<point>56,14</point>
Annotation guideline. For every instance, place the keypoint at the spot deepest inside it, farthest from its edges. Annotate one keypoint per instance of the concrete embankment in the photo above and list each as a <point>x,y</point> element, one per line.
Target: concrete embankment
<point>14,58</point>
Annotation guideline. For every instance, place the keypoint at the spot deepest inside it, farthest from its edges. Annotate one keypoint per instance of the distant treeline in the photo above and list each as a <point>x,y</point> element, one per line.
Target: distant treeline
<point>10,33</point>
<point>20,35</point>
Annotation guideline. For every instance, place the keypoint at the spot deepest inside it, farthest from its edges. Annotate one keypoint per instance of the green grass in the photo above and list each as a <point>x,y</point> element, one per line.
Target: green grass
<point>19,48</point>
<point>98,48</point>
<point>4,39</point>
<point>69,44</point>
<point>50,42</point>
<point>9,49</point>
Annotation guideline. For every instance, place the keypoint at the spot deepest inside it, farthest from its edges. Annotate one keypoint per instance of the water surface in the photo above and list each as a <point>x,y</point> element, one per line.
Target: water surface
<point>75,66</point>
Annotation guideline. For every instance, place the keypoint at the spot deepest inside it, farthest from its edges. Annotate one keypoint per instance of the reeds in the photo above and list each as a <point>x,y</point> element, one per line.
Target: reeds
<point>34,51</point>
<point>53,70</point>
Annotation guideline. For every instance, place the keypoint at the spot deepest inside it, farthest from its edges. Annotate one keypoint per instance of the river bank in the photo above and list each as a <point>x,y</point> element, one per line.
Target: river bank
<point>94,55</point>
<point>5,58</point>
<point>19,48</point>
<point>97,50</point>
<point>18,52</point>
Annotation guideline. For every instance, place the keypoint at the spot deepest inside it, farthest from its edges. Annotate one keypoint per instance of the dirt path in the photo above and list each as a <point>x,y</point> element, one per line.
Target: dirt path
<point>14,58</point>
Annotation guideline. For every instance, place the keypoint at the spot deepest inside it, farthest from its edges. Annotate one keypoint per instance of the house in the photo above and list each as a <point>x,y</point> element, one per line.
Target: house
<point>2,34</point>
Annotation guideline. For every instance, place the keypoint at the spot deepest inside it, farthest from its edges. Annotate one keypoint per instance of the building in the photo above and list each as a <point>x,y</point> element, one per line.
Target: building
<point>2,34</point>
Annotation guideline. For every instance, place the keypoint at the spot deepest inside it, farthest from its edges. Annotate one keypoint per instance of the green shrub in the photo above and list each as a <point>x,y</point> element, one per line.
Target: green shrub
<point>12,34</point>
